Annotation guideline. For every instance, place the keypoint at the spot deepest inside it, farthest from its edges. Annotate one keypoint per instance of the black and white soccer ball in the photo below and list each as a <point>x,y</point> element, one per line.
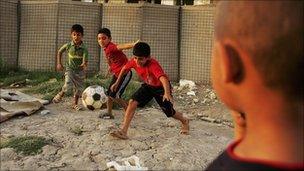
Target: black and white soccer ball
<point>93,97</point>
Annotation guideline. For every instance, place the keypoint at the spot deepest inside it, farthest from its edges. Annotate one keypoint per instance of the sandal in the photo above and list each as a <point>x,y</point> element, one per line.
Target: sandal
<point>119,134</point>
<point>106,116</point>
<point>76,107</point>
<point>57,98</point>
<point>185,128</point>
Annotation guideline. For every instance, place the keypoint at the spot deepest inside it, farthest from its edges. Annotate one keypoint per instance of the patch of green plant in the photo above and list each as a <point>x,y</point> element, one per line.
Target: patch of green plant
<point>47,89</point>
<point>11,78</point>
<point>27,145</point>
<point>77,130</point>
<point>29,78</point>
<point>35,78</point>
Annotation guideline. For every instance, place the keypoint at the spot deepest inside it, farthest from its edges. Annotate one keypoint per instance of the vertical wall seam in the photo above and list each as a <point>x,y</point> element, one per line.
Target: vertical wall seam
<point>179,25</point>
<point>18,30</point>
<point>57,30</point>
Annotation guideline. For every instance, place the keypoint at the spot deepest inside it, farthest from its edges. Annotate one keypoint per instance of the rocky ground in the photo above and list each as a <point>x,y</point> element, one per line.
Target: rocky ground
<point>154,138</point>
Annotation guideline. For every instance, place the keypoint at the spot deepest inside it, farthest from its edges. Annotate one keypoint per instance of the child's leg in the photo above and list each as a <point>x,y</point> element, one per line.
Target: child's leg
<point>123,103</point>
<point>184,121</point>
<point>109,105</point>
<point>168,109</point>
<point>116,95</point>
<point>140,98</point>
<point>122,133</point>
<point>65,88</point>
<point>129,115</point>
<point>78,82</point>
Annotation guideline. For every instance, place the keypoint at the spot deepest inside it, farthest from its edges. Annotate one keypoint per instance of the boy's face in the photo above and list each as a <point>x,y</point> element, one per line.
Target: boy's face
<point>141,61</point>
<point>76,37</point>
<point>103,40</point>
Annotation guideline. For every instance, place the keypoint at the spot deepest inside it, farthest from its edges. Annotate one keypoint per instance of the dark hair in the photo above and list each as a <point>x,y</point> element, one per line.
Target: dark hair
<point>105,31</point>
<point>78,28</point>
<point>141,49</point>
<point>275,47</point>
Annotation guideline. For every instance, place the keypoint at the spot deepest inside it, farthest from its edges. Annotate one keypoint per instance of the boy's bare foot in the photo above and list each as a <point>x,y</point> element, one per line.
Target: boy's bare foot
<point>77,108</point>
<point>57,98</point>
<point>119,134</point>
<point>185,128</point>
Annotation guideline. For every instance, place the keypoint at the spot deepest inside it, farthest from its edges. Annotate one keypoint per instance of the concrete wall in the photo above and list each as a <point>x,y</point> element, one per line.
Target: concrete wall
<point>45,27</point>
<point>9,33</point>
<point>197,31</point>
<point>180,37</point>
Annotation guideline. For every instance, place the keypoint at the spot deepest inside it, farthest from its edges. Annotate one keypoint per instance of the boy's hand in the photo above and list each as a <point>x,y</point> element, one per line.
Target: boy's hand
<point>136,42</point>
<point>168,97</point>
<point>114,87</point>
<point>59,67</point>
<point>83,66</point>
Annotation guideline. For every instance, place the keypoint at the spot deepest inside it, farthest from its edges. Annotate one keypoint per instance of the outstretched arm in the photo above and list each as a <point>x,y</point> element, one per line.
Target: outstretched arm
<point>126,45</point>
<point>121,74</point>
<point>167,94</point>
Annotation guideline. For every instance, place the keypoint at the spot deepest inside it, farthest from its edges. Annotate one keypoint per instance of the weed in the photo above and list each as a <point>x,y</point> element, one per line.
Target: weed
<point>27,145</point>
<point>77,130</point>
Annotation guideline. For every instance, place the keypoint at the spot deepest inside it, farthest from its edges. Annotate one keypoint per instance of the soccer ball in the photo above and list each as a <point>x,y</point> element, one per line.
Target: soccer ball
<point>93,97</point>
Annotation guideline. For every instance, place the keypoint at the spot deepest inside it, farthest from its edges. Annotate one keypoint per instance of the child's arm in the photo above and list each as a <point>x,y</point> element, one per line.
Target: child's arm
<point>85,58</point>
<point>126,45</point>
<point>59,66</point>
<point>167,95</point>
<point>121,74</point>
<point>84,65</point>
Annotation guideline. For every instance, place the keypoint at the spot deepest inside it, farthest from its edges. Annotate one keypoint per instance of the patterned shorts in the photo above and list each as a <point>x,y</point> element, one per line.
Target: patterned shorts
<point>74,79</point>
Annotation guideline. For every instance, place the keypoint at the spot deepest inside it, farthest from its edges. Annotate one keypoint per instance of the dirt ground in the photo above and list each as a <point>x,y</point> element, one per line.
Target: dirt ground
<point>154,138</point>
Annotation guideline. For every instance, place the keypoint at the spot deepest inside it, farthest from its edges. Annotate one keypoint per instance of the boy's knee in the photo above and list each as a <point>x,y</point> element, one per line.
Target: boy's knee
<point>133,103</point>
<point>170,112</point>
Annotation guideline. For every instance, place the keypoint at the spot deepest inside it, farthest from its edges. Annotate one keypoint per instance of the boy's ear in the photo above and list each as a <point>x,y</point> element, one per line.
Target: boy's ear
<point>232,65</point>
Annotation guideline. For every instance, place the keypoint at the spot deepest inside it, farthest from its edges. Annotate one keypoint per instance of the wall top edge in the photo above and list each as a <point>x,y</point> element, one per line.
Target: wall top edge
<point>60,2</point>
<point>197,7</point>
<point>11,1</point>
<point>140,5</point>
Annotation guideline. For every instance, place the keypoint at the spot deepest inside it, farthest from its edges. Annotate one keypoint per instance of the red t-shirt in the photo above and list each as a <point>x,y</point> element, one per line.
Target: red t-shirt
<point>117,59</point>
<point>150,73</point>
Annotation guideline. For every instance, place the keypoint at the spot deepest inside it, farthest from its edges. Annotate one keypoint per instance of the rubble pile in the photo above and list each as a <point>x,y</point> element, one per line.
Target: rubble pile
<point>187,93</point>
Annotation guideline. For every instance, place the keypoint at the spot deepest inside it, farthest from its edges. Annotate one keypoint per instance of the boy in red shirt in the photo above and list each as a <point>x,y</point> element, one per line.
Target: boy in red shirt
<point>116,59</point>
<point>156,85</point>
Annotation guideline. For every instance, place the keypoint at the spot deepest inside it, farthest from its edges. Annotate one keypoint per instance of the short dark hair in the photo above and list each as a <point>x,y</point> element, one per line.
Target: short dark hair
<point>78,28</point>
<point>141,49</point>
<point>272,33</point>
<point>105,31</point>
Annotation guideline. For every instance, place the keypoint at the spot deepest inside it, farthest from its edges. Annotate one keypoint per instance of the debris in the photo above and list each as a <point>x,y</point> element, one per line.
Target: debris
<point>45,112</point>
<point>18,84</point>
<point>130,163</point>
<point>195,100</point>
<point>187,83</point>
<point>16,103</point>
<point>207,119</point>
<point>191,93</point>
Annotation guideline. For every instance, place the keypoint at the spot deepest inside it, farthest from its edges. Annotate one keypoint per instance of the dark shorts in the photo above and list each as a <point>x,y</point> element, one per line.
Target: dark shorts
<point>121,87</point>
<point>146,93</point>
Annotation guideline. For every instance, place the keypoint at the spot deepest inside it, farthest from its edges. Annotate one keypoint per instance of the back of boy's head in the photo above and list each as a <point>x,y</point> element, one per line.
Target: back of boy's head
<point>141,49</point>
<point>77,28</point>
<point>105,31</point>
<point>272,34</point>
